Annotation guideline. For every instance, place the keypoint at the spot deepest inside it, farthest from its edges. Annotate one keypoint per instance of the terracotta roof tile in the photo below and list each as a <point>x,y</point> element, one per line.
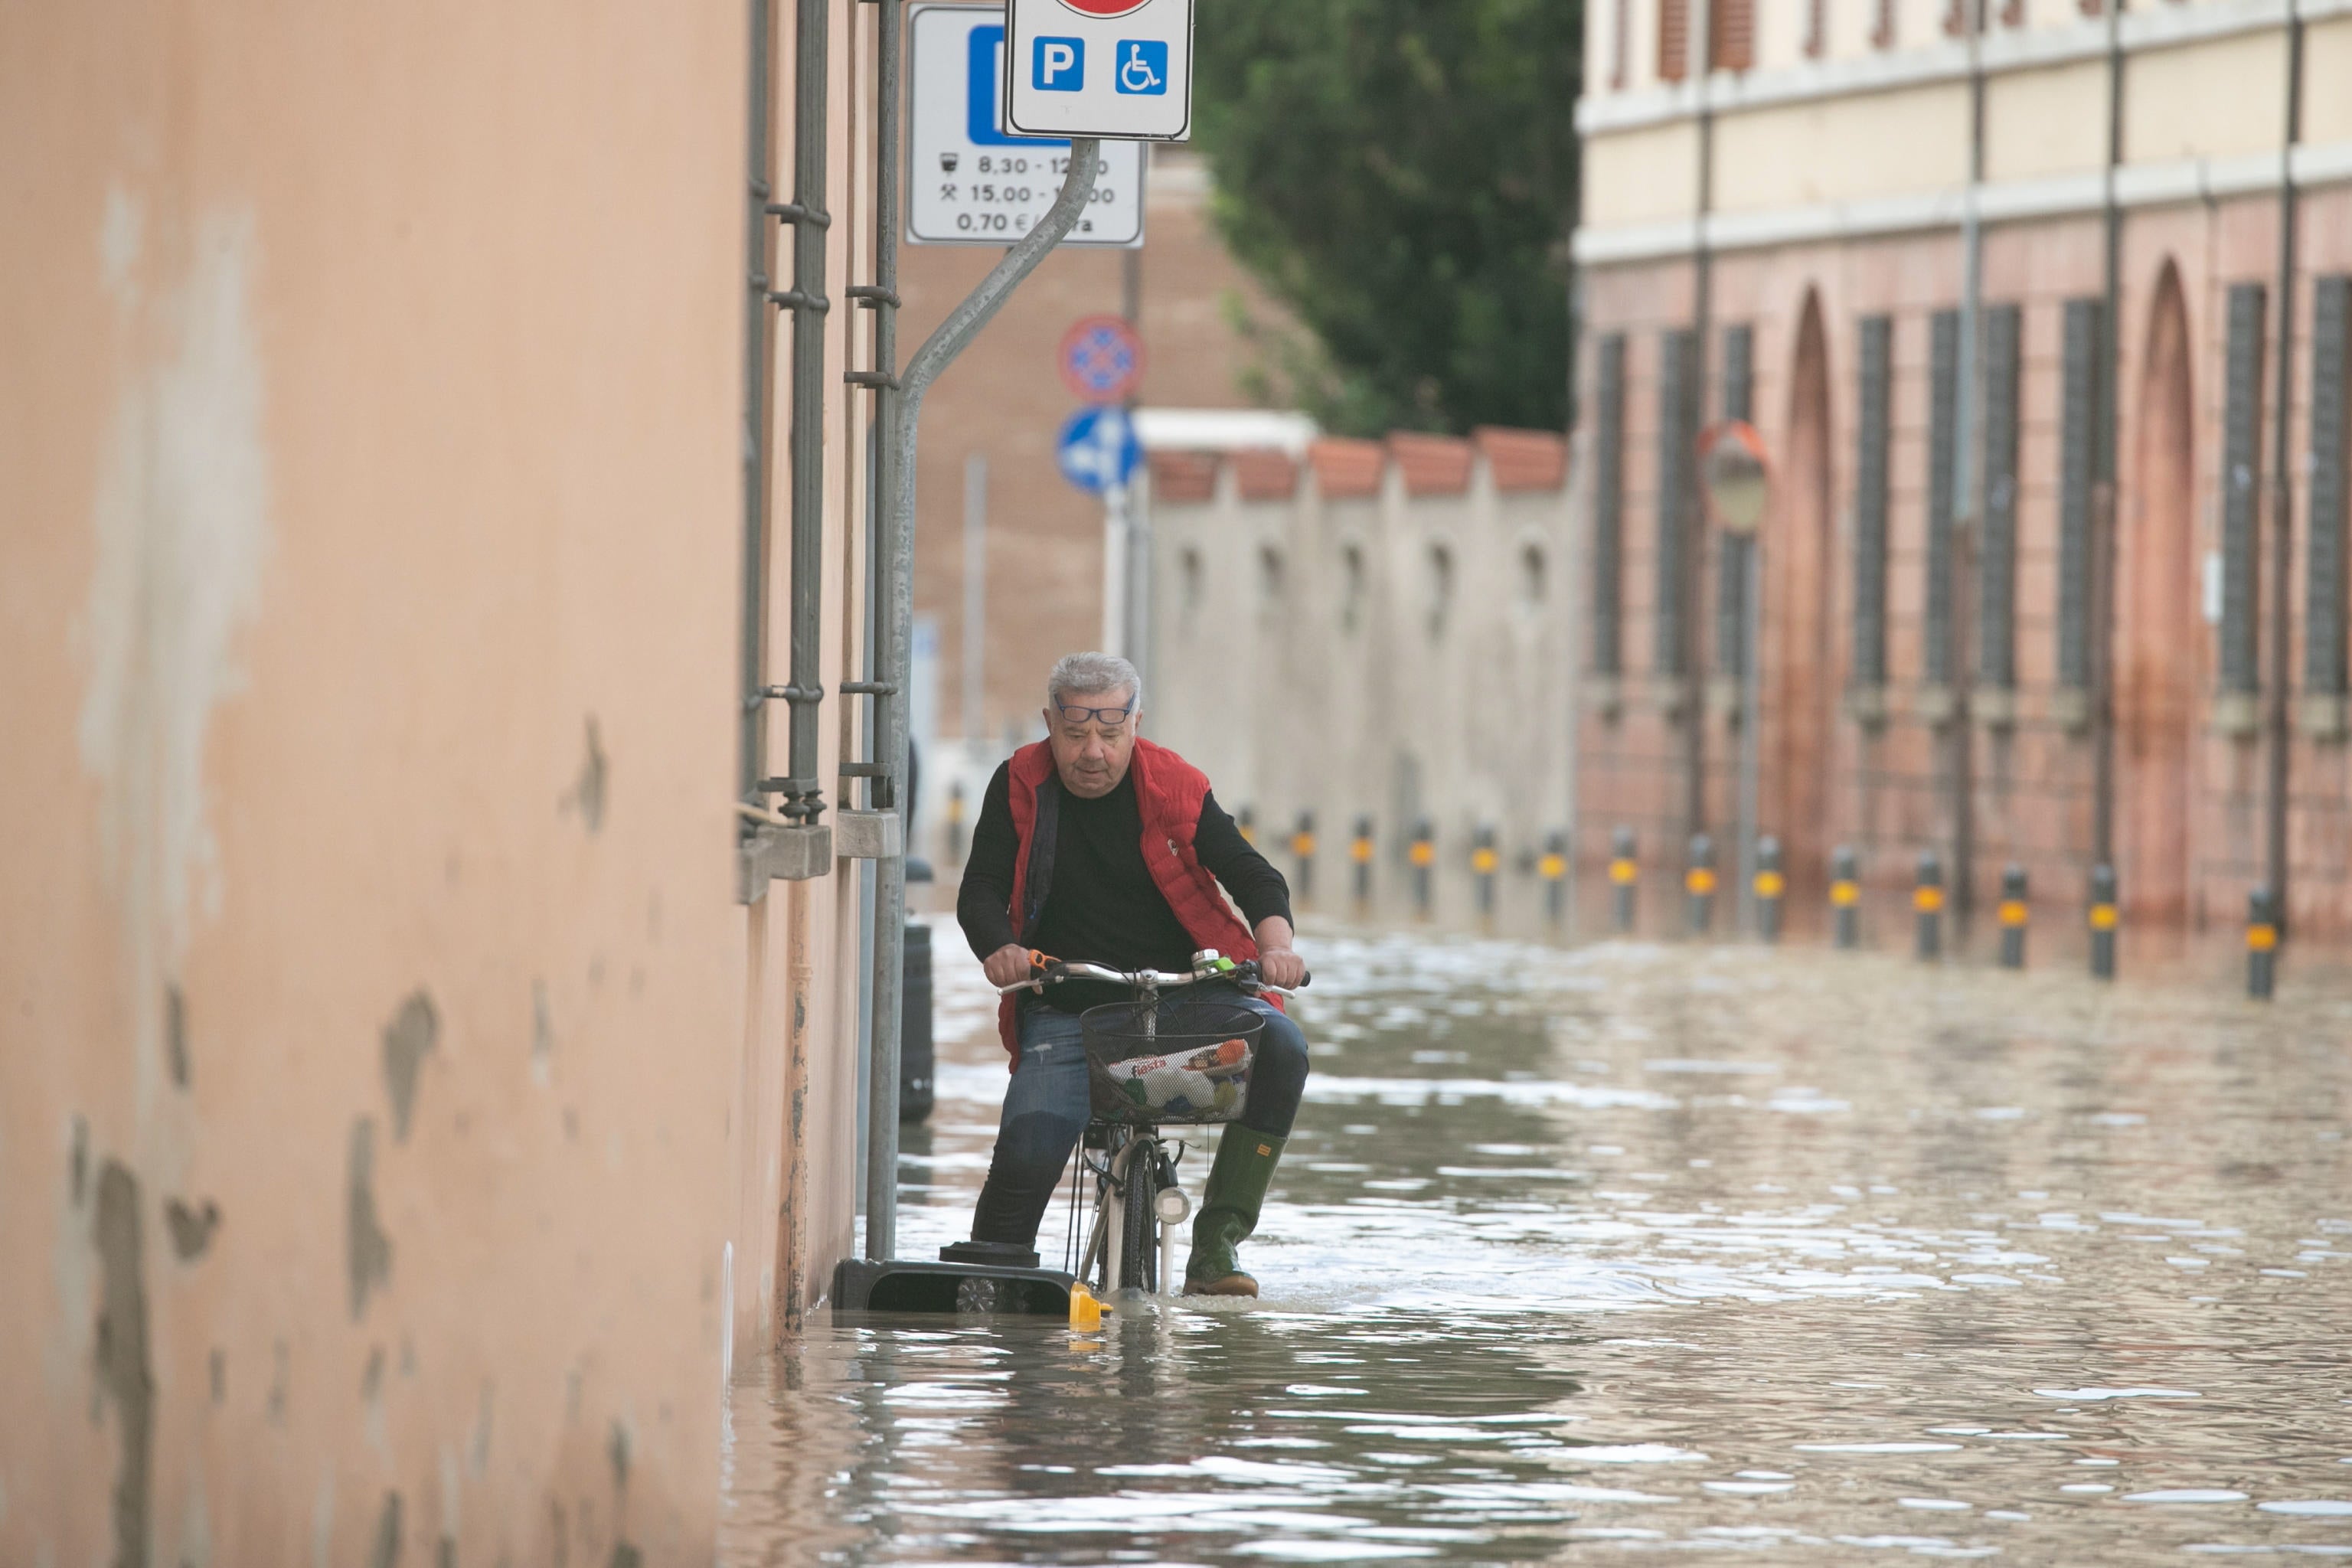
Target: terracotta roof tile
<point>1523,460</point>
<point>1433,464</point>
<point>1345,468</point>
<point>1183,476</point>
<point>1265,473</point>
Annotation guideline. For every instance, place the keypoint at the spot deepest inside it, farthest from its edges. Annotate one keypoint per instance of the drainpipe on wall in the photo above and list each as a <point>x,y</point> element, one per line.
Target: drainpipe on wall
<point>2103,513</point>
<point>1693,520</point>
<point>2282,481</point>
<point>1966,460</point>
<point>792,844</point>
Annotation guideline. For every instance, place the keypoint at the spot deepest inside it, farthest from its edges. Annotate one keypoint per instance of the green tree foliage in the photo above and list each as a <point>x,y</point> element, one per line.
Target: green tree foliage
<point>1402,175</point>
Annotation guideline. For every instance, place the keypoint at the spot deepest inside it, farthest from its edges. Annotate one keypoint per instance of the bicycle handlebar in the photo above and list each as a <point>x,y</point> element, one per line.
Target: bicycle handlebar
<point>1046,971</point>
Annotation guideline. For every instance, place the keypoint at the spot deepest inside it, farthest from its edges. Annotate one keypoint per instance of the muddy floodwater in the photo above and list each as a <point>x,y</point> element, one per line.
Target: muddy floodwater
<point>1631,1249</point>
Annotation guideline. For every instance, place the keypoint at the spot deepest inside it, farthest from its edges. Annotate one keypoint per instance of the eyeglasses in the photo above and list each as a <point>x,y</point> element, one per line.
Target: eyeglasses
<point>1113,716</point>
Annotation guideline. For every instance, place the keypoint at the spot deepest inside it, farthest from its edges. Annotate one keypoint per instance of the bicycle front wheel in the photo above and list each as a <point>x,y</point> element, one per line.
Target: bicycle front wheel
<point>1139,1251</point>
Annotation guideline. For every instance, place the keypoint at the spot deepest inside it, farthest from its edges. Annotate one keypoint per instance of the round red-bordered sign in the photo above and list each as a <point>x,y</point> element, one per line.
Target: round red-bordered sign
<point>1105,9</point>
<point>1101,360</point>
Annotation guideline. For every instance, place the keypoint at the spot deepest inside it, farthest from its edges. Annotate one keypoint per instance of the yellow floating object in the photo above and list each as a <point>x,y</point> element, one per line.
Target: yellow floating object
<point>1624,873</point>
<point>1928,900</point>
<point>1845,895</point>
<point>1085,1311</point>
<point>2102,917</point>
<point>1770,884</point>
<point>2261,938</point>
<point>2012,913</point>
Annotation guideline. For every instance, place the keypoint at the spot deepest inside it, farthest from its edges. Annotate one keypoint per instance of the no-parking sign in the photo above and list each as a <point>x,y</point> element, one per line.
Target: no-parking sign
<point>1101,360</point>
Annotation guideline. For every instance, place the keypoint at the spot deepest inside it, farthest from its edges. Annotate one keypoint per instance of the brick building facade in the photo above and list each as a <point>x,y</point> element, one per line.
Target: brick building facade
<point>1957,618</point>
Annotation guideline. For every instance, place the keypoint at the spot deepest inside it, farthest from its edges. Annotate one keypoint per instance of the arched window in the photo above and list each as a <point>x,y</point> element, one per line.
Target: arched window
<point>1440,589</point>
<point>1351,586</point>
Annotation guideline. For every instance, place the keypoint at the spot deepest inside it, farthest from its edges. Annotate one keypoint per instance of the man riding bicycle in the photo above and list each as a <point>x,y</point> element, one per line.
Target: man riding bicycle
<point>1096,846</point>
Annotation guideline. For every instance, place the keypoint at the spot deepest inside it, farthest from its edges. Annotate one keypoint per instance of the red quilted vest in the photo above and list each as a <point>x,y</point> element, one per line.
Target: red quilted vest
<point>1168,795</point>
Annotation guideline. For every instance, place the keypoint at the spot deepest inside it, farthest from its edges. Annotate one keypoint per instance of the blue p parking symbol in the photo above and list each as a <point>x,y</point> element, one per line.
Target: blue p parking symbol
<point>1059,65</point>
<point>1143,66</point>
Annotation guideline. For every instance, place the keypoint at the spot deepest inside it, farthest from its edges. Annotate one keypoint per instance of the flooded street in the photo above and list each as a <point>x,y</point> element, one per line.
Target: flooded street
<point>1645,1248</point>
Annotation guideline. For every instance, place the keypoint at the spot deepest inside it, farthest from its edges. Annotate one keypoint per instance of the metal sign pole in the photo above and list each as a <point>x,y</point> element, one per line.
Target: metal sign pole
<point>901,411</point>
<point>1751,725</point>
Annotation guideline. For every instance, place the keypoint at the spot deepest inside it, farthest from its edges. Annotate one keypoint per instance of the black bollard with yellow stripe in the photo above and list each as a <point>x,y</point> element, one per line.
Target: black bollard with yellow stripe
<point>1423,856</point>
<point>2261,944</point>
<point>1698,883</point>
<point>955,821</point>
<point>1247,820</point>
<point>1553,868</point>
<point>1927,906</point>
<point>1359,850</point>
<point>1483,863</point>
<point>1770,885</point>
<point>2104,919</point>
<point>1845,897</point>
<point>2013,916</point>
<point>1625,875</point>
<point>1302,854</point>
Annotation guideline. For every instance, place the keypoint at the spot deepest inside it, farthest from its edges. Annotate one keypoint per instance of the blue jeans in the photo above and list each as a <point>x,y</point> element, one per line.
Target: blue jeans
<point>1046,1109</point>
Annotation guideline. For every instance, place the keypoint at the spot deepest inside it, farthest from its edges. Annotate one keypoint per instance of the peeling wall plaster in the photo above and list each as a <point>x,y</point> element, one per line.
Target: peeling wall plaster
<point>184,535</point>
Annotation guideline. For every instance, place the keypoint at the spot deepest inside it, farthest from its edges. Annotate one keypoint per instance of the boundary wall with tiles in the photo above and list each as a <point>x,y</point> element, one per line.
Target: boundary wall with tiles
<point>1376,630</point>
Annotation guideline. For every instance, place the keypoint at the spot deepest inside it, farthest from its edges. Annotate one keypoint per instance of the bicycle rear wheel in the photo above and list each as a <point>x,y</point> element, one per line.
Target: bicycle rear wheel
<point>1138,1250</point>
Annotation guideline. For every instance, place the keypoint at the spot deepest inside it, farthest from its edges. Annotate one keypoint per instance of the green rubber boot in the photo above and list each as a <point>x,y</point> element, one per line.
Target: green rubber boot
<point>1229,1209</point>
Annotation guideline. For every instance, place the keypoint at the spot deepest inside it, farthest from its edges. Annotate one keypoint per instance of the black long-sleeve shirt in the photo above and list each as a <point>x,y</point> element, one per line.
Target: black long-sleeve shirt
<point>1103,906</point>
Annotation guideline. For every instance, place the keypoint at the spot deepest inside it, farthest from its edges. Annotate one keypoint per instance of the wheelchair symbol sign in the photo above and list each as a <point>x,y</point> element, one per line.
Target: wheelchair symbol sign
<point>1118,70</point>
<point>1142,66</point>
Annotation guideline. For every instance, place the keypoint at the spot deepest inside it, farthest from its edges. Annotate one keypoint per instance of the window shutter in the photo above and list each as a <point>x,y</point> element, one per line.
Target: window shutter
<point>1882,29</point>
<point>1608,509</point>
<point>1738,371</point>
<point>1943,435</point>
<point>1674,40</point>
<point>1870,502</point>
<point>1677,428</point>
<point>2242,471</point>
<point>1817,29</point>
<point>1731,35</point>
<point>1731,574</point>
<point>1997,558</point>
<point>2324,661</point>
<point>2078,411</point>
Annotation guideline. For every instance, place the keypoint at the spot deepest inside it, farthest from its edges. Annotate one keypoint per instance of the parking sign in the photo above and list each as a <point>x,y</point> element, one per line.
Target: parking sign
<point>970,182</point>
<point>1118,70</point>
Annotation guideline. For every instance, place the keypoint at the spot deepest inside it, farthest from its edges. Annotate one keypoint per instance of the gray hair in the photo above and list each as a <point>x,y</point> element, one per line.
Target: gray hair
<point>1091,675</point>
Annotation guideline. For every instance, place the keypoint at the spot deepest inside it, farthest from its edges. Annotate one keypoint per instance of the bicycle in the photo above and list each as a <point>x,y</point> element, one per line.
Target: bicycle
<point>1143,1074</point>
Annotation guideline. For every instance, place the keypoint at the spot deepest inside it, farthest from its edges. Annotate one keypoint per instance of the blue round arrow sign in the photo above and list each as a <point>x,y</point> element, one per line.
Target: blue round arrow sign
<point>1097,449</point>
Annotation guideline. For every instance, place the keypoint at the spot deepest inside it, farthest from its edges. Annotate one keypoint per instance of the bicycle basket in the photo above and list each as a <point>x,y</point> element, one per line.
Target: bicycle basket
<point>1192,1067</point>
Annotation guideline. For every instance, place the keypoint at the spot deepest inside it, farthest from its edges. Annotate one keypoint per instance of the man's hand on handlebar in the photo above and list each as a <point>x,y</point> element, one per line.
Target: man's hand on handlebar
<point>1280,966</point>
<point>1008,965</point>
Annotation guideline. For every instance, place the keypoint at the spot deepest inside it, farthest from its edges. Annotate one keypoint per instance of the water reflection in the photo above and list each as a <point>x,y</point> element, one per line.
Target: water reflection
<point>1651,1248</point>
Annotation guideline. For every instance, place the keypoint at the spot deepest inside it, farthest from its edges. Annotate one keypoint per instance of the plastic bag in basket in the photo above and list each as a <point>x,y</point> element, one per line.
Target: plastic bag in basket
<point>1202,1082</point>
